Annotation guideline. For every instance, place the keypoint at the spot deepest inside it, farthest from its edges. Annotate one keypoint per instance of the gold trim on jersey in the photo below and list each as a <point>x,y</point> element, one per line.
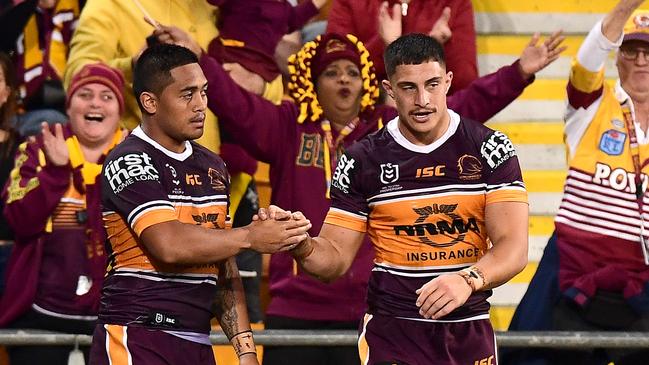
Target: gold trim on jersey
<point>339,217</point>
<point>152,216</point>
<point>507,195</point>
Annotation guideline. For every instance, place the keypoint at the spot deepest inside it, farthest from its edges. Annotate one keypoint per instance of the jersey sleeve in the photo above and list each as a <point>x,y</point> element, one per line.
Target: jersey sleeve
<point>132,188</point>
<point>504,179</point>
<point>349,207</point>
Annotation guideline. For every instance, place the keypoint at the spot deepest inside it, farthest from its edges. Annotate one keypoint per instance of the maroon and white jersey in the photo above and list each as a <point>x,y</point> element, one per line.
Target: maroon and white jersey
<point>424,207</point>
<point>145,184</point>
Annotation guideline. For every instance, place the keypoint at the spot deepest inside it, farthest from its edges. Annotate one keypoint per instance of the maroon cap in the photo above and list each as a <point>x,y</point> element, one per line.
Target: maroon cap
<point>332,47</point>
<point>102,74</point>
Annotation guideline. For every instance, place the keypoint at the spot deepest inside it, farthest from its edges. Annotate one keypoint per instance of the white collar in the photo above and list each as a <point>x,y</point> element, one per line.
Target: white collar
<point>393,129</point>
<point>138,132</point>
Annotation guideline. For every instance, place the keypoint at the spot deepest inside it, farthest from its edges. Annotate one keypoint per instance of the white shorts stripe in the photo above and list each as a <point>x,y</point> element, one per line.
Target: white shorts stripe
<point>110,361</point>
<point>474,318</point>
<point>128,353</point>
<point>367,319</point>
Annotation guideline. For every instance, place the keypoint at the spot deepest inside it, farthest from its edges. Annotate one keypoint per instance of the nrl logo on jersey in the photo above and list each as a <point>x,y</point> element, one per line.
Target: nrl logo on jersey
<point>173,173</point>
<point>389,173</point>
<point>127,169</point>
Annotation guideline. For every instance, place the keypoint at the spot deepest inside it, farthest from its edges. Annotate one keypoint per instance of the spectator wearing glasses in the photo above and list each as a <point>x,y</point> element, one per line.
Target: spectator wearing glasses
<point>603,263</point>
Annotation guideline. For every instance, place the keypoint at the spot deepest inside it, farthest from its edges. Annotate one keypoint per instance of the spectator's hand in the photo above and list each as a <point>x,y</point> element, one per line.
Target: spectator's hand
<point>389,24</point>
<point>244,78</point>
<point>174,35</point>
<point>441,31</point>
<point>54,146</point>
<point>271,236</point>
<point>442,295</point>
<point>536,57</point>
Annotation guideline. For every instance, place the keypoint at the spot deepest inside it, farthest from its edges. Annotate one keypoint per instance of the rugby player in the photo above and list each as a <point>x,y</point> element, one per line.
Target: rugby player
<point>443,201</point>
<point>165,203</point>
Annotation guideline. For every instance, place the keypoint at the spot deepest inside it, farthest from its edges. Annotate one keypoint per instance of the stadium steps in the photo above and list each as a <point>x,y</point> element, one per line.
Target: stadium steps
<point>534,121</point>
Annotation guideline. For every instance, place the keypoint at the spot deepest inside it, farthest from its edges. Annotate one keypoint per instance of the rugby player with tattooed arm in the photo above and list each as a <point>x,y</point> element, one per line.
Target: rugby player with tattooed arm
<point>165,207</point>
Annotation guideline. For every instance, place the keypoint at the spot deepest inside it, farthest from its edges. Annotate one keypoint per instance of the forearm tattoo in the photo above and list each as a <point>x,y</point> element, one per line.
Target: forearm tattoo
<point>225,301</point>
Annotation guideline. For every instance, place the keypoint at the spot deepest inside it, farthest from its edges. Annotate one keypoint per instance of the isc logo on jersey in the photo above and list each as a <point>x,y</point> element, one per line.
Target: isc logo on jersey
<point>127,169</point>
<point>496,149</point>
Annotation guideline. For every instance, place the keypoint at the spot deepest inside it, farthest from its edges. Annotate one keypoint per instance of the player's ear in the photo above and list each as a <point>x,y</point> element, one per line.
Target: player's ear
<point>149,102</point>
<point>387,86</point>
<point>449,80</point>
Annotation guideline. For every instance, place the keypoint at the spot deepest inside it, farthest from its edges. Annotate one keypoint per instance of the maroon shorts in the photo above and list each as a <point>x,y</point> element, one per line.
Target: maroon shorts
<point>121,345</point>
<point>389,341</point>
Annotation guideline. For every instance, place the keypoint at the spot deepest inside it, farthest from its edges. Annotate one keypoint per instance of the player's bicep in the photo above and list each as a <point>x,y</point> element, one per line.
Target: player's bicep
<point>158,237</point>
<point>346,241</point>
<point>507,221</point>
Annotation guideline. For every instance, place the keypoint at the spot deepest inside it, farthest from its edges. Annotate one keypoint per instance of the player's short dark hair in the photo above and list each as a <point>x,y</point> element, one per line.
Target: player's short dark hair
<point>152,71</point>
<point>412,49</point>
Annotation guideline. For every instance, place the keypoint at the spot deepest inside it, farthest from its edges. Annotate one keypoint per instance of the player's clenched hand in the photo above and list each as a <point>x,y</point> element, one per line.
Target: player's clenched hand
<point>270,236</point>
<point>273,212</point>
<point>298,216</point>
<point>442,295</point>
